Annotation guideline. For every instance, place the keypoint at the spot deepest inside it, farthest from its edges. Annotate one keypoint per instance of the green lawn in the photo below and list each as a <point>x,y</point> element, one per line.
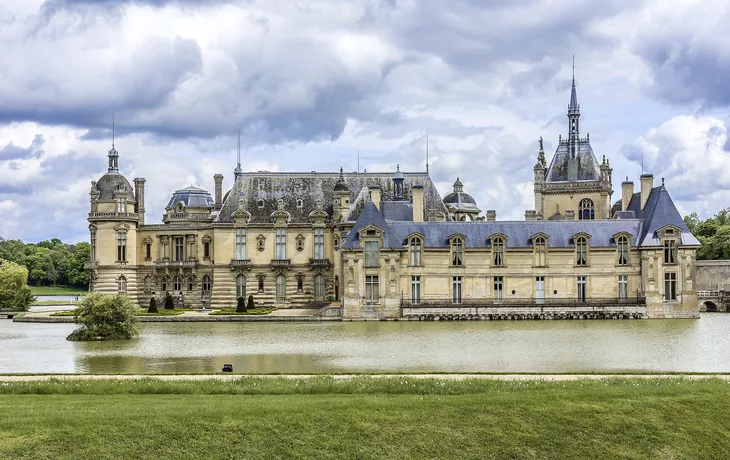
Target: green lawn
<point>365,418</point>
<point>253,311</point>
<point>161,312</point>
<point>57,290</point>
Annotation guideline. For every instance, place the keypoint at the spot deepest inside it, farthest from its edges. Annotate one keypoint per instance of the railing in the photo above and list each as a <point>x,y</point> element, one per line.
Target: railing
<point>240,262</point>
<point>89,265</point>
<point>709,294</point>
<point>525,303</point>
<point>114,215</point>
<point>280,262</point>
<point>319,262</point>
<point>186,215</point>
<point>175,263</point>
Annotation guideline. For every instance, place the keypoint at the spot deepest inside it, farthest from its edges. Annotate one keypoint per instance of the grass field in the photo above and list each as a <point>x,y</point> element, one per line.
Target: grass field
<point>57,290</point>
<point>365,418</point>
<point>253,311</point>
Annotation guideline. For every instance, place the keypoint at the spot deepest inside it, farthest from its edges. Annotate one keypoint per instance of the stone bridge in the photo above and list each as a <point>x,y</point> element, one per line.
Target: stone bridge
<point>714,300</point>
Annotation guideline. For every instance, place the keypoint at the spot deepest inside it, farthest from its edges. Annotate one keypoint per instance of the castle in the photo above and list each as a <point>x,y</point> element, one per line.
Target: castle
<point>376,242</point>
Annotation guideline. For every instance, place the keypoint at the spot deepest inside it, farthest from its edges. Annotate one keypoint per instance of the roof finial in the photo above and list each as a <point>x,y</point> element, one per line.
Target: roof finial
<point>238,157</point>
<point>397,167</point>
<point>112,129</point>
<point>662,182</point>
<point>574,69</point>
<point>426,151</point>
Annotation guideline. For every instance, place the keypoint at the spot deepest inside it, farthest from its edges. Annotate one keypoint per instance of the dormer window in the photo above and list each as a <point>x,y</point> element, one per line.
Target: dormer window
<point>670,251</point>
<point>622,250</point>
<point>415,248</point>
<point>457,252</point>
<point>372,254</point>
<point>540,254</point>
<point>121,204</point>
<point>581,251</point>
<point>498,251</point>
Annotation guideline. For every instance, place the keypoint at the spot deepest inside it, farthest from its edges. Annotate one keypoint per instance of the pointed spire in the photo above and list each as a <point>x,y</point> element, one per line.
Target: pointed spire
<point>574,107</point>
<point>238,169</point>
<point>113,154</point>
<point>112,129</point>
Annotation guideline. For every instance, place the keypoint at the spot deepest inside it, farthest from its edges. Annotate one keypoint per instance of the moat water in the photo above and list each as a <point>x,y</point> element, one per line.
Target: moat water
<point>508,346</point>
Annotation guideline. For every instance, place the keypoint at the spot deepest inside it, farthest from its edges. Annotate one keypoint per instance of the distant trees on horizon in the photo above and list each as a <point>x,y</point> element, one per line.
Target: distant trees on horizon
<point>50,263</point>
<point>713,233</point>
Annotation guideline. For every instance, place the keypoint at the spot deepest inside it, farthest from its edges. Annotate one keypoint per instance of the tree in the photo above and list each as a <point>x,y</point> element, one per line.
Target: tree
<point>153,306</point>
<point>250,303</point>
<point>105,317</point>
<point>241,305</point>
<point>169,304</point>
<point>14,291</point>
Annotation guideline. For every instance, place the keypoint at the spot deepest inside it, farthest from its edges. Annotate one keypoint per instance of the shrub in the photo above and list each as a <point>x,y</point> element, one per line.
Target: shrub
<point>105,317</point>
<point>14,291</point>
<point>250,305</point>
<point>153,306</point>
<point>240,305</point>
<point>169,305</point>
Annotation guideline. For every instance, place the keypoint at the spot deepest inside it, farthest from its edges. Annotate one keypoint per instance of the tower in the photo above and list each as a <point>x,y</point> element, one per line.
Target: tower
<point>398,179</point>
<point>340,199</point>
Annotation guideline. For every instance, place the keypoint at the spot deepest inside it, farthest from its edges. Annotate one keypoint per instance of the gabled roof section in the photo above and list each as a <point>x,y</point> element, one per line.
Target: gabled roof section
<point>659,212</point>
<point>371,216</point>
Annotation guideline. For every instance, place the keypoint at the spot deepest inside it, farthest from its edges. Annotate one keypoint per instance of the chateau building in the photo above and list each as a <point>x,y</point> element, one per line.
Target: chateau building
<point>377,243</point>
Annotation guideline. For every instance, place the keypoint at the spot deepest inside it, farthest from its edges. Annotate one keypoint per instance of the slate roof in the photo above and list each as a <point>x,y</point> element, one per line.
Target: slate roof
<point>659,212</point>
<point>461,201</point>
<point>193,197</point>
<point>111,183</point>
<point>259,192</point>
<point>582,166</point>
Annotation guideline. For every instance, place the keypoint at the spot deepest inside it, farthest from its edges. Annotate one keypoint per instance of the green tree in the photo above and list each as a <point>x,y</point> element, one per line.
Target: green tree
<point>14,291</point>
<point>240,305</point>
<point>105,317</point>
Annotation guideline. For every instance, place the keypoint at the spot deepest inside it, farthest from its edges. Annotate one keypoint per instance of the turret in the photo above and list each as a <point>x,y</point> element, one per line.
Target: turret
<point>398,179</point>
<point>340,199</point>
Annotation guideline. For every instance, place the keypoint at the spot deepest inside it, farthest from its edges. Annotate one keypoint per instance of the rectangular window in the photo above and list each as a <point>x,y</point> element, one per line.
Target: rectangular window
<point>240,244</point>
<point>121,246</point>
<point>670,286</point>
<point>179,248</point>
<point>622,246</point>
<point>415,252</point>
<point>121,204</point>
<point>93,246</point>
<point>372,254</point>
<point>581,252</point>
<point>498,294</point>
<point>319,243</point>
<point>457,252</point>
<point>206,250</point>
<point>280,243</point>
<point>415,290</point>
<point>670,252</point>
<point>498,252</point>
<point>456,289</point>
<point>372,289</point>
<point>581,289</point>
<point>623,287</point>
<point>148,251</point>
<point>540,289</point>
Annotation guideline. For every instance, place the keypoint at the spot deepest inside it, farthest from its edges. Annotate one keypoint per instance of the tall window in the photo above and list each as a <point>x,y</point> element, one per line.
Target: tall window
<point>622,246</point>
<point>540,252</point>
<point>280,287</point>
<point>319,243</point>
<point>300,282</point>
<point>498,252</point>
<point>93,247</point>
<point>456,289</point>
<point>457,252</point>
<point>415,290</point>
<point>670,252</point>
<point>372,289</point>
<point>122,284</point>
<point>539,289</point>
<point>581,289</point>
<point>581,251</point>
<point>240,286</point>
<point>319,287</point>
<point>415,250</point>
<point>498,289</point>
<point>176,283</point>
<point>585,210</point>
<point>371,254</point>
<point>148,250</point>
<point>121,204</point>
<point>623,287</point>
<point>179,248</point>
<point>280,243</point>
<point>240,244</point>
<point>261,283</point>
<point>163,284</point>
<point>206,284</point>
<point>121,246</point>
<point>206,249</point>
<point>190,283</point>
<point>670,286</point>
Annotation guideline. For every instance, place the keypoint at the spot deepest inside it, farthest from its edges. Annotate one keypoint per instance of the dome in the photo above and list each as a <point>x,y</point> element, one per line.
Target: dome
<point>192,197</point>
<point>111,183</point>
<point>341,185</point>
<point>398,175</point>
<point>460,201</point>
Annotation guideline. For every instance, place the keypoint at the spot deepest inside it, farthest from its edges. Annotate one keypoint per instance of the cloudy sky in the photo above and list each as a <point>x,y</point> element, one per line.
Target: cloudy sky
<point>309,82</point>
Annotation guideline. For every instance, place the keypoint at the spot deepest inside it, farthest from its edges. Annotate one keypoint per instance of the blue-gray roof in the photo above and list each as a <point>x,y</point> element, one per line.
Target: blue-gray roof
<point>659,212</point>
<point>192,197</point>
<point>565,166</point>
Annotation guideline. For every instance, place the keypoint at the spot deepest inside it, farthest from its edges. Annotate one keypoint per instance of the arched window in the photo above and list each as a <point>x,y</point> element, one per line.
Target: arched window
<point>415,249</point>
<point>622,248</point>
<point>240,286</point>
<point>586,211</point>
<point>190,283</point>
<point>540,252</point>
<point>281,287</point>
<point>206,283</point>
<point>581,251</point>
<point>498,252</point>
<point>457,252</point>
<point>319,287</point>
<point>176,283</point>
<point>122,284</point>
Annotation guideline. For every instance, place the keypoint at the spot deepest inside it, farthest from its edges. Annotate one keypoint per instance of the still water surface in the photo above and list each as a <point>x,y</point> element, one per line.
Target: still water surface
<point>508,346</point>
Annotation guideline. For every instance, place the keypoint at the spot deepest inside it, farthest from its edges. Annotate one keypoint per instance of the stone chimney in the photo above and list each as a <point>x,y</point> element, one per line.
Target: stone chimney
<point>218,179</point>
<point>647,183</point>
<point>139,197</point>
<point>491,215</point>
<point>530,214</point>
<point>417,195</point>
<point>627,191</point>
<point>375,195</point>
<point>569,214</point>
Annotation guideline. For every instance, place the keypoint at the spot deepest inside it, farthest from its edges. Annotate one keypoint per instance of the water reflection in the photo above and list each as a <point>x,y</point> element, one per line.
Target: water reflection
<point>509,346</point>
